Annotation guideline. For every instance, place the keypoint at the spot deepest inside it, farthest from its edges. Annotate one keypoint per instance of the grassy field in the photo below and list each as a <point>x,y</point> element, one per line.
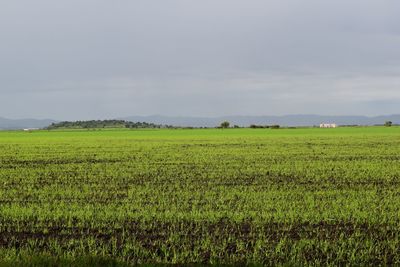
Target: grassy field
<point>233,196</point>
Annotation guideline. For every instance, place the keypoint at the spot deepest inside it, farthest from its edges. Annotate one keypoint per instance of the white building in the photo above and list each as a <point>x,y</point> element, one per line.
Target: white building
<point>30,129</point>
<point>328,125</point>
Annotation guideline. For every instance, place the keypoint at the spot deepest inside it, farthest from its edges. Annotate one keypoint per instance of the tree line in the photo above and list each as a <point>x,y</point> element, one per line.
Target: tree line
<point>104,124</point>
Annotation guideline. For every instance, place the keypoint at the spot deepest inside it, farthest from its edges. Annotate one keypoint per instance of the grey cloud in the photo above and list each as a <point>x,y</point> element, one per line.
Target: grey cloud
<point>96,58</point>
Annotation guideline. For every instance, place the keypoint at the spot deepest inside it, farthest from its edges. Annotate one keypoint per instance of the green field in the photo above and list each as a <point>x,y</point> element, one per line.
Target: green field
<point>233,196</point>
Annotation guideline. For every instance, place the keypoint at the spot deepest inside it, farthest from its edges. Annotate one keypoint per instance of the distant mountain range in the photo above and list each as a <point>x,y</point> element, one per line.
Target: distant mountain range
<point>9,124</point>
<point>287,120</point>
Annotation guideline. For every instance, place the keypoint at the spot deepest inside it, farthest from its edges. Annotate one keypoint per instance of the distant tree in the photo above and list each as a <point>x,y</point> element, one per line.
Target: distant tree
<point>255,126</point>
<point>225,124</point>
<point>388,123</point>
<point>236,126</point>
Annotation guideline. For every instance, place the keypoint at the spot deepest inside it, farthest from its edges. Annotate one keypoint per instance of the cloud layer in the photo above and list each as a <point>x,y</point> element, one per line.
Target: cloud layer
<point>95,58</point>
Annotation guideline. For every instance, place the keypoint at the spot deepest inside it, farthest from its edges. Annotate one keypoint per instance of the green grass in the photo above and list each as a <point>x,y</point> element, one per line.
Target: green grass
<point>217,196</point>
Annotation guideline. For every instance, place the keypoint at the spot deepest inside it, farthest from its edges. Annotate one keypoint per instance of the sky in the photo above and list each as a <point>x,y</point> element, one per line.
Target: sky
<point>97,59</point>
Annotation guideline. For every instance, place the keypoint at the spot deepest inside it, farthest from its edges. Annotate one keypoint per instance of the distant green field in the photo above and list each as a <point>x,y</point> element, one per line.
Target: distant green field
<point>232,196</point>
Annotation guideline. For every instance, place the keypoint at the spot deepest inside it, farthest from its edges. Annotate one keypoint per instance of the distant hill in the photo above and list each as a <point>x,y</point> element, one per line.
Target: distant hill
<point>287,120</point>
<point>101,124</point>
<point>9,124</point>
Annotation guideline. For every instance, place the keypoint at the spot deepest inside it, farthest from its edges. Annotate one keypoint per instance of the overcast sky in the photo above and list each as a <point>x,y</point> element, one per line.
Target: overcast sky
<point>86,59</point>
